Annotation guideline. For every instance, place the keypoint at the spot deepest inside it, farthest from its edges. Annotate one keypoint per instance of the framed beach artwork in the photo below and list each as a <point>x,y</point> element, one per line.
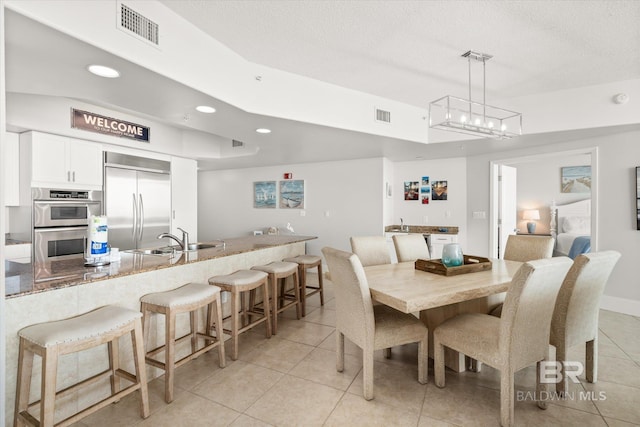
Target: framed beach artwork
<point>292,194</point>
<point>439,190</point>
<point>575,179</point>
<point>411,190</point>
<point>425,191</point>
<point>264,194</point>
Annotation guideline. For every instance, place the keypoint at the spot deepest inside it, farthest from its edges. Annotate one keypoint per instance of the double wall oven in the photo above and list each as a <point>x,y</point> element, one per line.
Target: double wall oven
<point>60,222</point>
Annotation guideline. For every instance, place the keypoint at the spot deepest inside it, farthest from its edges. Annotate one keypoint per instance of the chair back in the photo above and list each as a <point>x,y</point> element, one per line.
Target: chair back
<point>354,309</point>
<point>575,317</point>
<point>528,248</point>
<point>527,310</point>
<point>371,250</point>
<point>410,247</point>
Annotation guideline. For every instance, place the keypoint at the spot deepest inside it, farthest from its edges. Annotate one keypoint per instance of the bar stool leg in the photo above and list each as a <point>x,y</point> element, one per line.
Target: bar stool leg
<point>23,384</point>
<point>296,292</point>
<point>140,367</point>
<point>273,282</point>
<point>194,330</point>
<point>235,306</point>
<point>169,354</point>
<point>114,364</point>
<point>302,273</point>
<point>48,384</point>
<point>216,312</point>
<point>320,284</point>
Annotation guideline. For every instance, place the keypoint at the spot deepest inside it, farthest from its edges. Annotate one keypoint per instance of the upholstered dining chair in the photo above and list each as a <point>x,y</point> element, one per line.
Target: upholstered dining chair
<point>369,327</point>
<point>410,247</point>
<point>514,341</point>
<point>525,248</point>
<point>575,317</point>
<point>522,248</point>
<point>371,250</point>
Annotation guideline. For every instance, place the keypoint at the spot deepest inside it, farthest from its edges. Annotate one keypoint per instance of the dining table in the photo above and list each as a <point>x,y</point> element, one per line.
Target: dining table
<point>437,297</point>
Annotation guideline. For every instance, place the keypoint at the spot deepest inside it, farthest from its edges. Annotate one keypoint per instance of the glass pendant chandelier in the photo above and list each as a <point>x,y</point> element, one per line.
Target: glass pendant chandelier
<point>474,118</point>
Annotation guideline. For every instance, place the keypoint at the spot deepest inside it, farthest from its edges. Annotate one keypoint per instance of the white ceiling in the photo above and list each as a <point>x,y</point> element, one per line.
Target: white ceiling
<point>408,51</point>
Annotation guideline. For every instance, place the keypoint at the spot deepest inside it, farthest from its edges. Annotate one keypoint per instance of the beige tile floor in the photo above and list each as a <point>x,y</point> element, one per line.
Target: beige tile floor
<point>290,380</point>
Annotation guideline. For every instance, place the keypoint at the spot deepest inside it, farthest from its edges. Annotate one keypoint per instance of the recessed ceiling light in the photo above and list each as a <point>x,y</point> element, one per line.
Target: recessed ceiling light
<point>102,71</point>
<point>263,130</point>
<point>205,109</point>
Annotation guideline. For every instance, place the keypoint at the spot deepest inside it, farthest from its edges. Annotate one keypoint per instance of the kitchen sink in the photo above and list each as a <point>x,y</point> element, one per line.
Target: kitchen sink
<point>156,251</point>
<point>196,246</point>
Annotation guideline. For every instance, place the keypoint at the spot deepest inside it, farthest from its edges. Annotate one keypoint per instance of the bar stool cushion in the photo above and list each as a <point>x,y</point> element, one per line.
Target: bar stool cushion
<point>277,267</point>
<point>239,278</point>
<point>304,259</point>
<point>93,324</point>
<point>188,294</point>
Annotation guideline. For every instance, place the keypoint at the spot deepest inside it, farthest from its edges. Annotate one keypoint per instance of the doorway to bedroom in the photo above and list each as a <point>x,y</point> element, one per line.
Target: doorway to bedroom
<point>534,184</point>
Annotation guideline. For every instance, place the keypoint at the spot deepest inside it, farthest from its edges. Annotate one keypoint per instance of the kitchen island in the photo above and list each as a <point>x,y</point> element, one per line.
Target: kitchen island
<point>65,289</point>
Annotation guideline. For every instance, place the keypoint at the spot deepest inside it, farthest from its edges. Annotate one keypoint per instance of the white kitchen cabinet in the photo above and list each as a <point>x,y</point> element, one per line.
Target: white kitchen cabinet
<point>437,242</point>
<point>184,197</point>
<point>61,162</point>
<point>18,253</point>
<point>11,167</point>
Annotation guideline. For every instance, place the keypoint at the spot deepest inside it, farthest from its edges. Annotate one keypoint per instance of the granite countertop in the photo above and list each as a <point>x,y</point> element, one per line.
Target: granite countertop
<point>24,279</point>
<point>13,240</point>
<point>424,229</point>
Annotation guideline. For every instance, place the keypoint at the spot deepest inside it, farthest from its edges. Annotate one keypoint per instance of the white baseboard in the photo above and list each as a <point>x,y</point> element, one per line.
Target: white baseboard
<point>620,305</point>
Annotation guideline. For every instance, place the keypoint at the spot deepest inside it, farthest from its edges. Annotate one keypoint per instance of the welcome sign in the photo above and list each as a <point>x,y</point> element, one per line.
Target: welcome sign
<point>107,125</point>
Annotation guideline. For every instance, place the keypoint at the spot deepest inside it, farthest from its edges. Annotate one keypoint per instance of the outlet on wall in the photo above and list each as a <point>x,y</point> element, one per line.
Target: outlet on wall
<point>425,219</point>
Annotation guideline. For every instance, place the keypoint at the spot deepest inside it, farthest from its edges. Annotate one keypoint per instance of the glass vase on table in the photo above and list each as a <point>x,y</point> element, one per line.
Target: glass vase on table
<point>452,255</point>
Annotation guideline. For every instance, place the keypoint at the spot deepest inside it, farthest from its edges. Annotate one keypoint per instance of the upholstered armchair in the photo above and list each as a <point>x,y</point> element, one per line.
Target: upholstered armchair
<point>514,341</point>
<point>369,327</point>
<point>575,317</point>
<point>371,250</point>
<point>410,247</point>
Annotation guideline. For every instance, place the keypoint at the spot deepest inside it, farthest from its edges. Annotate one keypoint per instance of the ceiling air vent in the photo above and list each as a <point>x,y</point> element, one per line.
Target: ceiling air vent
<point>383,116</point>
<point>139,24</point>
<point>236,144</point>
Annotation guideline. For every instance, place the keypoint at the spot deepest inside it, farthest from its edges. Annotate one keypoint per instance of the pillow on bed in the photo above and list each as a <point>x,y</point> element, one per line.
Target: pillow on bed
<point>577,225</point>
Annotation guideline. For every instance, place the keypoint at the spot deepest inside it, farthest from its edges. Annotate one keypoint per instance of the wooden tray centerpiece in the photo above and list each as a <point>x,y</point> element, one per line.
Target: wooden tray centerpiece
<point>471,264</point>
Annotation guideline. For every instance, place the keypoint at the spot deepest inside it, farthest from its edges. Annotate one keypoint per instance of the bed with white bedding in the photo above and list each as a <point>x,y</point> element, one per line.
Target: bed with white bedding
<point>572,229</point>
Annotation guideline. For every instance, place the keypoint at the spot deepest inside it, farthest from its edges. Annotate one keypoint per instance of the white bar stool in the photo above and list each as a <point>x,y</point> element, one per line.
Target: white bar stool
<point>305,262</point>
<point>185,299</point>
<point>238,284</point>
<point>278,272</point>
<point>53,339</point>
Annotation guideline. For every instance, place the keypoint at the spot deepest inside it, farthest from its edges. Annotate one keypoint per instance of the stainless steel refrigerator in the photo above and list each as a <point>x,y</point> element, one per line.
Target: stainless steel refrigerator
<point>137,200</point>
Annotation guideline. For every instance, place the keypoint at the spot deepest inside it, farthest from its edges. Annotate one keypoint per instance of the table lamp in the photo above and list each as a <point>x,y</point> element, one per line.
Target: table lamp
<point>532,215</point>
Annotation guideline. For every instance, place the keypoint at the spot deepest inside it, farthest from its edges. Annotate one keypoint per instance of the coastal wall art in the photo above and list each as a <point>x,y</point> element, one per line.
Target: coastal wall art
<point>425,190</point>
<point>292,195</point>
<point>575,179</point>
<point>264,194</point>
<point>411,190</point>
<point>439,190</point>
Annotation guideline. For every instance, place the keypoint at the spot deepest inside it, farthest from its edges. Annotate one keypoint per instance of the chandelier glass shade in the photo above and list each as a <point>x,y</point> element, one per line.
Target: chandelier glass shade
<point>471,117</point>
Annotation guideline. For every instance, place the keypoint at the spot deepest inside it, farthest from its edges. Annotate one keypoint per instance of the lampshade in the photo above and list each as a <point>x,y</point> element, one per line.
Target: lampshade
<point>532,214</point>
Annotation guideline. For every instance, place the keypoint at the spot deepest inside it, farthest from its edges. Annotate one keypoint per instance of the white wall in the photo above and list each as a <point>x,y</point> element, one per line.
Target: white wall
<point>618,155</point>
<point>342,199</point>
<point>539,183</point>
